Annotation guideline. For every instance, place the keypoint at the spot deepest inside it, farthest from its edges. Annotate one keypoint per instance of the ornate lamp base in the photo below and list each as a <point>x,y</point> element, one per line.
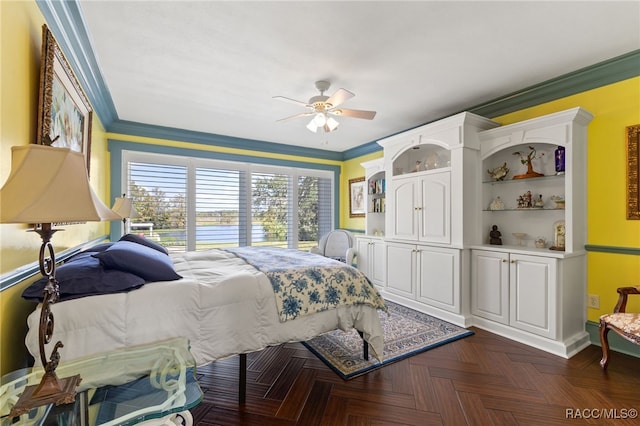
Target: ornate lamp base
<point>50,390</point>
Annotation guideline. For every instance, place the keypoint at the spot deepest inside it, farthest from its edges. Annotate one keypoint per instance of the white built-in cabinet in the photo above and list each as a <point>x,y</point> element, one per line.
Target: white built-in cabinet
<point>425,276</point>
<point>534,294</point>
<point>429,214</point>
<point>515,289</point>
<point>371,258</point>
<point>430,247</point>
<point>421,208</point>
<point>370,247</point>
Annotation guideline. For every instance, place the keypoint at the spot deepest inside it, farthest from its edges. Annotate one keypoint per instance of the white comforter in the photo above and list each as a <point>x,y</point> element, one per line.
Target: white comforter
<point>222,305</point>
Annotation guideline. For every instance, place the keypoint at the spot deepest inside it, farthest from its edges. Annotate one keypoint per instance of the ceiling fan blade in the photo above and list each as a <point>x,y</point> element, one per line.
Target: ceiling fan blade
<point>302,114</point>
<point>284,98</point>
<point>339,97</point>
<point>354,113</point>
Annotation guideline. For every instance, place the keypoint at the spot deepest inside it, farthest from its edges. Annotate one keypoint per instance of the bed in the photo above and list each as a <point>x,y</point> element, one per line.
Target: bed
<point>226,302</point>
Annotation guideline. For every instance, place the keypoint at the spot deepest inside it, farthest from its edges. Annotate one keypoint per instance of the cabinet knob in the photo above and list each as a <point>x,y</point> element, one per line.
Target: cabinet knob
<point>504,260</point>
<point>513,261</point>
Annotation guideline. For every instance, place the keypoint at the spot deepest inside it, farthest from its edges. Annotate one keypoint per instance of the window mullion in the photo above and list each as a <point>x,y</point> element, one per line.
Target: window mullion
<point>191,207</point>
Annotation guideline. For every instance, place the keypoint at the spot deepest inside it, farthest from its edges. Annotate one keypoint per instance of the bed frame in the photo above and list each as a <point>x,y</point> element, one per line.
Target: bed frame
<point>242,383</point>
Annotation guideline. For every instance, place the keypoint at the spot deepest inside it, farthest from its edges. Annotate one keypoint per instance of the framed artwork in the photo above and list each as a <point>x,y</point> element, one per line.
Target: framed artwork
<point>64,112</point>
<point>356,197</point>
<point>633,172</point>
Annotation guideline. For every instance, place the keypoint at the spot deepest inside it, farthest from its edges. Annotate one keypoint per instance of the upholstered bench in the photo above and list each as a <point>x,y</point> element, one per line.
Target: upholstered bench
<point>627,325</point>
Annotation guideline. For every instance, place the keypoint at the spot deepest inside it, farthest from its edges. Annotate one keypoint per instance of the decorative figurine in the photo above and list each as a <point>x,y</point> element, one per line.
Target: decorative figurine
<point>494,236</point>
<point>527,160</point>
<point>499,173</point>
<point>496,204</point>
<point>540,242</point>
<point>539,203</point>
<point>525,201</point>
<point>559,200</point>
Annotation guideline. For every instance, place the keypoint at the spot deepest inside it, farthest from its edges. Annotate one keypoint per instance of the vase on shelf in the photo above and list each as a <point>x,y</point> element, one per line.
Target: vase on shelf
<point>559,156</point>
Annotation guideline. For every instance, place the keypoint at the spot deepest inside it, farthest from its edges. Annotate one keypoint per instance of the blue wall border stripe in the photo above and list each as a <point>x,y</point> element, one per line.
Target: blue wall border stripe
<point>22,273</point>
<point>612,249</point>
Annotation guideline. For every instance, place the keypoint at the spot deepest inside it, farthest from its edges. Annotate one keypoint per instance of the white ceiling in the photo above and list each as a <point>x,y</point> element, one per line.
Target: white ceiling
<point>214,66</point>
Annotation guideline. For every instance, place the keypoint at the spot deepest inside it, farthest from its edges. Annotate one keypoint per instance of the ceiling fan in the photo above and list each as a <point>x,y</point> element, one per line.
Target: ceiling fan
<point>323,107</point>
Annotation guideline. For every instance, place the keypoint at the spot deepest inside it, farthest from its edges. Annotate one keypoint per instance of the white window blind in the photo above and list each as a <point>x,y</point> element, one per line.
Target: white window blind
<point>159,193</point>
<point>271,209</point>
<point>219,221</point>
<point>197,204</point>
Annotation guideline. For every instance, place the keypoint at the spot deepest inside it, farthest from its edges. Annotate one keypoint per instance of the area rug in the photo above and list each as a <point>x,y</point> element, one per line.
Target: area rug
<point>406,333</point>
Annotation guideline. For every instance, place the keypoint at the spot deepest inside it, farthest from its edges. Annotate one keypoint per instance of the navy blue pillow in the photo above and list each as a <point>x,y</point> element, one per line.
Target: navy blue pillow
<point>92,250</point>
<point>145,242</point>
<point>84,276</point>
<point>99,247</point>
<point>138,259</point>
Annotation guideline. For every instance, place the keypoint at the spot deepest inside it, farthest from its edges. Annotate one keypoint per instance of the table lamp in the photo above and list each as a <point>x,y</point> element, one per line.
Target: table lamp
<point>47,186</point>
<point>123,206</point>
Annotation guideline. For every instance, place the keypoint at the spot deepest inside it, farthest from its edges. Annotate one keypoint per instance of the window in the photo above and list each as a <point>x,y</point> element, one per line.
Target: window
<point>197,204</point>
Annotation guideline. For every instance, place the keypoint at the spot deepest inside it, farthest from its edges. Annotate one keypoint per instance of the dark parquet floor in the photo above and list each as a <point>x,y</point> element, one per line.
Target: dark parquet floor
<point>482,380</point>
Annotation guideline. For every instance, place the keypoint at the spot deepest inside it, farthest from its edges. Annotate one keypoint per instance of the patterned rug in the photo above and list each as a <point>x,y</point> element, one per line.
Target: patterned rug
<point>406,333</point>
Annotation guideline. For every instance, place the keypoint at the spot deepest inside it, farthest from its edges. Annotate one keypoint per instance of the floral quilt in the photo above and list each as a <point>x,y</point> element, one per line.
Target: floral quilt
<point>305,283</point>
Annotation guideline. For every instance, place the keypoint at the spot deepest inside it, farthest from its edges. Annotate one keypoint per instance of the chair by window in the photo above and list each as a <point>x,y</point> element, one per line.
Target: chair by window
<point>336,244</point>
<point>627,325</point>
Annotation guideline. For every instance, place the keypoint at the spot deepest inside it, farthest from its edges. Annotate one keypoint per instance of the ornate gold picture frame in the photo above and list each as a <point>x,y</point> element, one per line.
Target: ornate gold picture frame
<point>633,172</point>
<point>357,197</point>
<point>64,112</point>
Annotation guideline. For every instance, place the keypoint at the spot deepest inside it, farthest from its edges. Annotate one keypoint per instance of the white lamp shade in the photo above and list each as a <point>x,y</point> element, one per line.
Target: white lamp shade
<point>123,206</point>
<point>332,124</point>
<point>312,126</point>
<point>49,185</point>
<point>320,119</point>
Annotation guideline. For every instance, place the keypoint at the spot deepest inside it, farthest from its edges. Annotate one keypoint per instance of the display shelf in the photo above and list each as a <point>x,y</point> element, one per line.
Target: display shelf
<point>421,158</point>
<point>532,209</point>
<point>523,181</point>
<point>376,197</point>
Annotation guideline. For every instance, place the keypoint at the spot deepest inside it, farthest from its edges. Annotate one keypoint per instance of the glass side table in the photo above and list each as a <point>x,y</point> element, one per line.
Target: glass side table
<point>153,383</point>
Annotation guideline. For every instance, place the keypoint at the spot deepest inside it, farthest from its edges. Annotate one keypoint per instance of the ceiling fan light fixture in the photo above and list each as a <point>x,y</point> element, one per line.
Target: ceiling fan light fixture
<point>312,126</point>
<point>320,119</point>
<point>332,124</point>
<point>322,108</point>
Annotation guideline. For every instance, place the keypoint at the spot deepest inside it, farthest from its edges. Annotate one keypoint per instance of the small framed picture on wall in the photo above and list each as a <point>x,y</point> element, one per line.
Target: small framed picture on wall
<point>357,197</point>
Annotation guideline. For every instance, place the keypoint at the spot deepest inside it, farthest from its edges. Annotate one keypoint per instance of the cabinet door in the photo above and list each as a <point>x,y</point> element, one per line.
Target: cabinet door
<point>362,251</point>
<point>533,294</point>
<point>435,206</point>
<point>378,256</point>
<point>404,224</point>
<point>490,285</point>
<point>401,269</point>
<point>439,277</point>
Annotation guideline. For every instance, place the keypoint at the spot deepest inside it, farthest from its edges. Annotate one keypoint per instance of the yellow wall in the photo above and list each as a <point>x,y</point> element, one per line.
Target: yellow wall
<point>614,107</point>
<point>20,43</point>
